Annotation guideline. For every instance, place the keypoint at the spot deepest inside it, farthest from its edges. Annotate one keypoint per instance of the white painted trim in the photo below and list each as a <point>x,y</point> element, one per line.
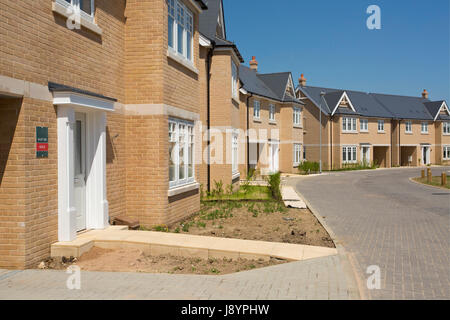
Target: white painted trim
<point>444,104</point>
<point>181,60</point>
<point>204,42</point>
<point>84,21</point>
<point>82,100</point>
<point>183,189</point>
<point>243,91</point>
<point>160,109</point>
<point>344,94</point>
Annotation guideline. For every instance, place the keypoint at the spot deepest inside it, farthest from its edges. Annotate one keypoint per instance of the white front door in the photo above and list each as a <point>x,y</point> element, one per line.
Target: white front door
<point>274,157</point>
<point>79,144</point>
<point>425,155</point>
<point>365,155</point>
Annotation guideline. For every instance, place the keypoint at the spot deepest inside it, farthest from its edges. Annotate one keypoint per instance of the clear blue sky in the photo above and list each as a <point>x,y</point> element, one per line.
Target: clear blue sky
<point>329,42</point>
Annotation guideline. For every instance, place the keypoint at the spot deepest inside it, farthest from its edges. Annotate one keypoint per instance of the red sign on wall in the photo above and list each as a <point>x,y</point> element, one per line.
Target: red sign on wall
<point>41,147</point>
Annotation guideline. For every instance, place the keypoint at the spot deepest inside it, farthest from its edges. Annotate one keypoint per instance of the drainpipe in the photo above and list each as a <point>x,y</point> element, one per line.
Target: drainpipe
<point>331,141</point>
<point>399,144</point>
<point>208,110</point>
<point>248,136</point>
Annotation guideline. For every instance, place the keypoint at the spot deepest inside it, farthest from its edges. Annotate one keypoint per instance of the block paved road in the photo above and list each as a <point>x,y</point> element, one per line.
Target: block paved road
<point>322,278</point>
<point>382,218</point>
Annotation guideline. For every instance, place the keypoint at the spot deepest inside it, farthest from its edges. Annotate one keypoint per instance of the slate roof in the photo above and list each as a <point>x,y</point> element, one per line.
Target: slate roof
<point>272,85</point>
<point>375,104</point>
<point>208,22</point>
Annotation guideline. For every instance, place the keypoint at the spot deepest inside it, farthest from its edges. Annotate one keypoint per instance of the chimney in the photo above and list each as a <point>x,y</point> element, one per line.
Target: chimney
<point>425,94</point>
<point>254,64</point>
<point>302,81</point>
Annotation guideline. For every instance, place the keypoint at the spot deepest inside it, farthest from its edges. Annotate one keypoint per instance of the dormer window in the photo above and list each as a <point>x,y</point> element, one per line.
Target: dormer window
<point>180,28</point>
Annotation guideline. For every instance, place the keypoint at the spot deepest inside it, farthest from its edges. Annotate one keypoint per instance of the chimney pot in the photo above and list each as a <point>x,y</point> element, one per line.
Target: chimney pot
<point>254,64</point>
<point>302,80</point>
<point>425,94</point>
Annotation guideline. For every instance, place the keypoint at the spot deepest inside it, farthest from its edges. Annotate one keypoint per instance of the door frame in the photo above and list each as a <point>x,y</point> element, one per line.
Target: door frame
<point>427,155</point>
<point>274,144</point>
<point>97,206</point>
<point>362,153</point>
<point>79,116</point>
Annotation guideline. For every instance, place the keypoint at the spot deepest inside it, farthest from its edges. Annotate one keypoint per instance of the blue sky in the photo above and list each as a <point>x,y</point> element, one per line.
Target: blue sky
<point>329,42</point>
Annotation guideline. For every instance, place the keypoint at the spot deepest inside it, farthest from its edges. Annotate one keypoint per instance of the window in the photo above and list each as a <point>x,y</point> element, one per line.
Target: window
<point>181,152</point>
<point>180,28</point>
<point>424,127</point>
<point>85,7</point>
<point>297,116</point>
<point>297,154</point>
<point>380,125</point>
<point>446,153</point>
<point>349,154</point>
<point>348,124</point>
<point>446,128</point>
<point>408,127</point>
<point>304,153</point>
<point>234,152</point>
<point>272,112</point>
<point>364,125</point>
<point>234,80</point>
<point>256,109</point>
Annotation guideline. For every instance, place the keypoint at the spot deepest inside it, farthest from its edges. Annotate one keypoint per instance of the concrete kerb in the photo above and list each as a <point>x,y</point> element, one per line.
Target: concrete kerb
<point>428,185</point>
<point>354,282</point>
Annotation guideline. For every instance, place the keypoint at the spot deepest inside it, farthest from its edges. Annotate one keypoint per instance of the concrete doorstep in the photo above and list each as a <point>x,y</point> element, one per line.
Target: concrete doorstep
<point>160,243</point>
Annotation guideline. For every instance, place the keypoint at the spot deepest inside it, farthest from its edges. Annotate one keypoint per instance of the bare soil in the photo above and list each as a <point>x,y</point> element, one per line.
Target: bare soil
<point>104,260</point>
<point>263,221</point>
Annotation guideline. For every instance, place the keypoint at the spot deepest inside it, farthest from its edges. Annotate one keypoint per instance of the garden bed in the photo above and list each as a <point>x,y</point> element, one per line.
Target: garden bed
<point>435,182</point>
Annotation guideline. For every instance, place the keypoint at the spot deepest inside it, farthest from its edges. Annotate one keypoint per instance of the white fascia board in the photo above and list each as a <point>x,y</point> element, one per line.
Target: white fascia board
<point>204,42</point>
<point>444,104</point>
<point>243,91</point>
<point>82,101</point>
<point>339,102</point>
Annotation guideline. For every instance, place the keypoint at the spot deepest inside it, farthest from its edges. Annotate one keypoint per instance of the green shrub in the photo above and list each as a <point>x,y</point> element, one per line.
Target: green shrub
<point>308,167</point>
<point>274,181</point>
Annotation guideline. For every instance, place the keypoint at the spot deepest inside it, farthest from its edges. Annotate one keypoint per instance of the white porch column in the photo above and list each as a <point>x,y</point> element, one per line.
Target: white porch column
<point>66,210</point>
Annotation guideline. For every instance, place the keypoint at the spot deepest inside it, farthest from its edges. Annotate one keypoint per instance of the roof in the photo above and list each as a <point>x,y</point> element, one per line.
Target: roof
<point>55,87</point>
<point>202,4</point>
<point>271,85</point>
<point>375,104</point>
<point>434,107</point>
<point>208,26</point>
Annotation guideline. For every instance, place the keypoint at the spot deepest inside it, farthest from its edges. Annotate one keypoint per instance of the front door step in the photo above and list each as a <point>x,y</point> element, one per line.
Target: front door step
<point>126,221</point>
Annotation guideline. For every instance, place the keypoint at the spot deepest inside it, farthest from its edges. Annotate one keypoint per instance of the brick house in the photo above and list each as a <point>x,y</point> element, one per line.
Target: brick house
<point>362,127</point>
<point>91,108</point>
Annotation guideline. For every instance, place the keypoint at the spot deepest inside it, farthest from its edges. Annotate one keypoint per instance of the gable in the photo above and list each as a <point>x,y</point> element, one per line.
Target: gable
<point>290,87</point>
<point>343,102</point>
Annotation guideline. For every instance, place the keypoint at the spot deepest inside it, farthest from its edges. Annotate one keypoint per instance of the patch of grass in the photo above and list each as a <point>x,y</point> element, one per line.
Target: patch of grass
<point>357,166</point>
<point>245,192</point>
<point>308,167</point>
<point>435,181</point>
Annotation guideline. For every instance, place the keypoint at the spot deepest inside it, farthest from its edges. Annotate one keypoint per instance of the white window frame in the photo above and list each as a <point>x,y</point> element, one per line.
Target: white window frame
<point>446,128</point>
<point>234,80</point>
<point>297,154</point>
<point>446,152</point>
<point>297,116</point>
<point>76,6</point>
<point>235,152</point>
<point>408,127</point>
<point>189,142</point>
<point>182,16</point>
<point>424,128</point>
<point>353,153</point>
<point>381,126</point>
<point>364,125</point>
<point>349,125</point>
<point>272,111</point>
<point>256,109</point>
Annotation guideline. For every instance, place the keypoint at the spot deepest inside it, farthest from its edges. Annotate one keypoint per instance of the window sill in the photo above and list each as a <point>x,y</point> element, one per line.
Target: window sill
<point>364,131</point>
<point>182,60</point>
<point>410,133</point>
<point>272,122</point>
<point>425,133</point>
<point>298,126</point>
<point>236,175</point>
<point>382,132</point>
<point>60,9</point>
<point>350,132</point>
<point>257,120</point>
<point>183,189</point>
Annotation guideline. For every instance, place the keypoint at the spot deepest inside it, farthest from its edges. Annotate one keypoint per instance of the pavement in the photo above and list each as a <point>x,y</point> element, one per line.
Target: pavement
<point>383,219</point>
<point>321,278</point>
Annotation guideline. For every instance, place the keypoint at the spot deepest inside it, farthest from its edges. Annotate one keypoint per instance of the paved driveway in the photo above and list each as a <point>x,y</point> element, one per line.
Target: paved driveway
<point>381,218</point>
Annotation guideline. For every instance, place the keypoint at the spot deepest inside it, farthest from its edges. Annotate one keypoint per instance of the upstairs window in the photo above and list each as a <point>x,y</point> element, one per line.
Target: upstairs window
<point>234,80</point>
<point>272,112</point>
<point>446,128</point>
<point>380,125</point>
<point>348,124</point>
<point>297,116</point>
<point>84,7</point>
<point>180,28</point>
<point>408,127</point>
<point>256,109</point>
<point>424,127</point>
<point>364,125</point>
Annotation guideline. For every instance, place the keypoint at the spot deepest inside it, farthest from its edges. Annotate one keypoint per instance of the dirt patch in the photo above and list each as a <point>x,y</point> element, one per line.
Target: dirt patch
<point>130,260</point>
<point>264,221</point>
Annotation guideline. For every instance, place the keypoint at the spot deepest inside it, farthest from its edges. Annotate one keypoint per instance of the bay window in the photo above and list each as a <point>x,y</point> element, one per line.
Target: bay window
<point>181,152</point>
<point>180,28</point>
<point>348,124</point>
<point>349,154</point>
